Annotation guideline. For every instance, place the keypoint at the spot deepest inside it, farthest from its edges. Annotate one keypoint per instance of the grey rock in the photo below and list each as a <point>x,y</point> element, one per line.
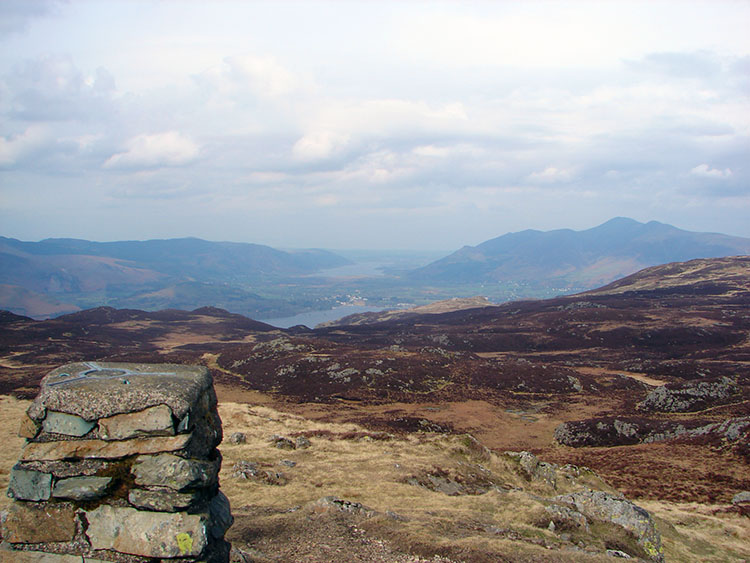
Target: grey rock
<point>302,443</point>
<point>237,438</point>
<point>245,470</point>
<point>148,534</point>
<point>68,424</point>
<point>94,390</point>
<point>534,469</point>
<point>282,443</point>
<point>288,462</point>
<point>330,503</point>
<point>567,518</point>
<point>618,553</point>
<point>153,421</point>
<point>29,485</point>
<point>690,396</point>
<point>174,472</point>
<point>741,497</point>
<point>598,505</point>
<point>82,488</point>
<point>163,500</point>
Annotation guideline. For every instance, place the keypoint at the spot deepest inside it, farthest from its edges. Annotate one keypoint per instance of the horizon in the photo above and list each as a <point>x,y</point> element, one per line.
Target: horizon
<point>415,250</point>
<point>363,125</point>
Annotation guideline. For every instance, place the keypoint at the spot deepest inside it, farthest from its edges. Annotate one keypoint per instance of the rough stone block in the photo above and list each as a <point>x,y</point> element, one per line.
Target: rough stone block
<point>68,424</point>
<point>102,449</point>
<point>148,534</point>
<point>94,390</point>
<point>163,500</point>
<point>153,421</point>
<point>29,485</point>
<point>82,488</point>
<point>39,523</point>
<point>176,473</point>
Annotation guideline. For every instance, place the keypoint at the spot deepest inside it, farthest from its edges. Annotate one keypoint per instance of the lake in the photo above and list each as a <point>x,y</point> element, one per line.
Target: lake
<point>313,318</point>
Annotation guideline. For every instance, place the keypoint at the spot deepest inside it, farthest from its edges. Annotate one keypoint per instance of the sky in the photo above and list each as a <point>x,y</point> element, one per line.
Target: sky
<point>370,124</point>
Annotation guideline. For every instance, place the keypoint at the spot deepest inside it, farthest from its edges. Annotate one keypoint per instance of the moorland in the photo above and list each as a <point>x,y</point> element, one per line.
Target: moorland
<point>642,385</point>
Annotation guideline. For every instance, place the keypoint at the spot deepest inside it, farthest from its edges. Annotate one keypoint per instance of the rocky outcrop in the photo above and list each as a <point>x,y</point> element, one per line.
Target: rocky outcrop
<point>622,431</point>
<point>690,396</point>
<point>605,507</point>
<point>120,465</point>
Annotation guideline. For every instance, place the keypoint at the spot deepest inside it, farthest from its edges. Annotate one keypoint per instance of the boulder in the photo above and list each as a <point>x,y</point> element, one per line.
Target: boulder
<point>605,507</point>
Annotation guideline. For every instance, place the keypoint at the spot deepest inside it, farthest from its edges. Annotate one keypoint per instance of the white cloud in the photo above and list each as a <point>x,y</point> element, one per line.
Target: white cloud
<point>154,151</point>
<point>551,175</point>
<point>319,145</point>
<point>705,171</point>
<point>14,148</point>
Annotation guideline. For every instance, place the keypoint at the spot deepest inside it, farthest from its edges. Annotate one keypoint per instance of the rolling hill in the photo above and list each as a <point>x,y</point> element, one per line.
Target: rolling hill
<point>578,259</point>
<point>54,276</point>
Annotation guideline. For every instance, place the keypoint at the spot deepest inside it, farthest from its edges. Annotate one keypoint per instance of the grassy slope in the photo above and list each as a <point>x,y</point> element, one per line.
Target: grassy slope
<point>347,462</point>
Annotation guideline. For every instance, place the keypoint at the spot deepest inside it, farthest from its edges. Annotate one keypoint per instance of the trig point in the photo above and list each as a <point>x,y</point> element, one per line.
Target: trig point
<point>120,465</point>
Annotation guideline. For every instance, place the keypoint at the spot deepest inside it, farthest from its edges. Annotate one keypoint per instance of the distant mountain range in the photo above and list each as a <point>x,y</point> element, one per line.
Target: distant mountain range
<point>62,275</point>
<point>57,276</point>
<point>578,259</point>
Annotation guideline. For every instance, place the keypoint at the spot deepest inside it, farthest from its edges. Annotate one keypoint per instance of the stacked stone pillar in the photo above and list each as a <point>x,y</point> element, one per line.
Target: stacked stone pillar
<point>120,465</point>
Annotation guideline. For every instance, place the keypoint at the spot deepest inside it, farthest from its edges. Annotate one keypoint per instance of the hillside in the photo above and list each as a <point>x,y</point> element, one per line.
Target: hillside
<point>644,381</point>
<point>63,275</point>
<point>578,259</point>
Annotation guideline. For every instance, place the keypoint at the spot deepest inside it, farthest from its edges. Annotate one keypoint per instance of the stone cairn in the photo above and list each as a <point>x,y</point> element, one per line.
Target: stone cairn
<point>120,464</point>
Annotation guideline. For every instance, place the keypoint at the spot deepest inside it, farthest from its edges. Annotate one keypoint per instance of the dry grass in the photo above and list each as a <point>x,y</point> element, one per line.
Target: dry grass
<point>348,462</point>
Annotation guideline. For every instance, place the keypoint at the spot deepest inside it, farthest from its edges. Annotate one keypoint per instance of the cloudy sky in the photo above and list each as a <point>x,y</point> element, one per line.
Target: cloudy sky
<point>370,124</point>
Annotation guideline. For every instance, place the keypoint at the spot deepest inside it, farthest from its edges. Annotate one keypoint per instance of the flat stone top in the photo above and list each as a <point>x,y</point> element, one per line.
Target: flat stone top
<point>94,390</point>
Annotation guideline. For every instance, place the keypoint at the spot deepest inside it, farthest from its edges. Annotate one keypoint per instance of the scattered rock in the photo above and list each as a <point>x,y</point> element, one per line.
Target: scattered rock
<point>302,443</point>
<point>251,471</point>
<point>237,438</point>
<point>282,443</point>
<point>332,503</point>
<point>741,497</point>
